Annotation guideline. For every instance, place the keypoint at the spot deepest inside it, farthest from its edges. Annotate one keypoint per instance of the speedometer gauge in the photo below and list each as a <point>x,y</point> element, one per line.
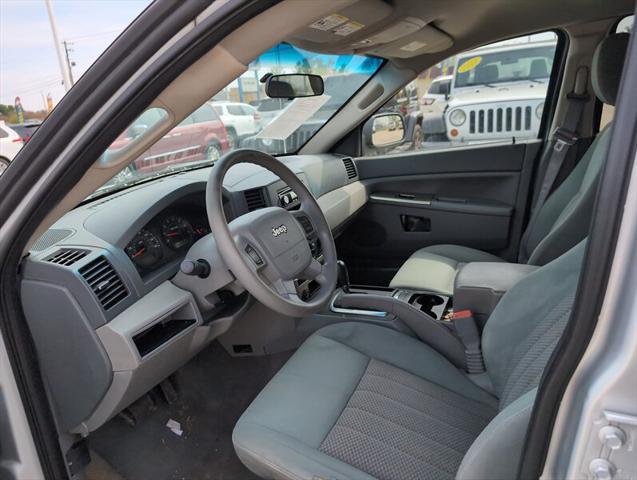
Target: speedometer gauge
<point>176,232</point>
<point>144,249</point>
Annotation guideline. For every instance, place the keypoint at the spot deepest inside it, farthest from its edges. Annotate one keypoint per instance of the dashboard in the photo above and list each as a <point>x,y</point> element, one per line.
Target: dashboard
<point>103,296</point>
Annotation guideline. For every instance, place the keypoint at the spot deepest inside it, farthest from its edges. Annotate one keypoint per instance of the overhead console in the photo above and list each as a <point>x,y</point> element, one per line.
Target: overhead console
<point>373,27</point>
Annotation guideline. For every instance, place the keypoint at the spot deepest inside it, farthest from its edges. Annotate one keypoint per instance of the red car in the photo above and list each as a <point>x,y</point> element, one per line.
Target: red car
<point>200,136</point>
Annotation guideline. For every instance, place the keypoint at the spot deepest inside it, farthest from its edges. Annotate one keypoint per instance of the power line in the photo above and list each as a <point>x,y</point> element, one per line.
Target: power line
<point>93,35</point>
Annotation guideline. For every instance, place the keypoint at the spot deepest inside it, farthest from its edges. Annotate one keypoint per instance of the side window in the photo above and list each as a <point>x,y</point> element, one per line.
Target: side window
<point>495,93</point>
<point>248,111</point>
<point>235,110</point>
<point>3,134</point>
<point>205,113</point>
<point>608,111</point>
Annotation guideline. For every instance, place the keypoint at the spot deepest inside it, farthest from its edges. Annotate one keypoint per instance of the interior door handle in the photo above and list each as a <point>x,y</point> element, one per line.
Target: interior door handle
<point>401,199</point>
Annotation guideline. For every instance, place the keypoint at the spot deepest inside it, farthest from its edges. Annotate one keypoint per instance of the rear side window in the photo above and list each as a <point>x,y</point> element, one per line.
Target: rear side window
<point>3,133</point>
<point>435,88</point>
<point>235,110</point>
<point>492,94</point>
<point>218,109</point>
<point>205,113</point>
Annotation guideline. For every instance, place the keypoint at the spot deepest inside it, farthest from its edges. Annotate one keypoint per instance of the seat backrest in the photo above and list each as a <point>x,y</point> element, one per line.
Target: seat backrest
<point>517,342</point>
<point>564,219</point>
<point>539,68</point>
<point>486,74</point>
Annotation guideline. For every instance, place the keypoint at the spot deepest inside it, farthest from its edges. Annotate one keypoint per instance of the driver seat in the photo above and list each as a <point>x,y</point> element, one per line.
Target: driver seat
<point>360,401</point>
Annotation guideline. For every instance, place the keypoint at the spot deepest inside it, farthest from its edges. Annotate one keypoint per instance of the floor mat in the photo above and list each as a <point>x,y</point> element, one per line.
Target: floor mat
<point>215,389</point>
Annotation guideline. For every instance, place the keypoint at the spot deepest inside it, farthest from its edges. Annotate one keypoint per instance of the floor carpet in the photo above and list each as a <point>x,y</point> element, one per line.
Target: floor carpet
<point>214,390</point>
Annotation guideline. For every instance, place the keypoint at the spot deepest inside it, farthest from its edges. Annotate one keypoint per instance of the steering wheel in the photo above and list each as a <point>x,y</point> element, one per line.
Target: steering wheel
<point>268,249</point>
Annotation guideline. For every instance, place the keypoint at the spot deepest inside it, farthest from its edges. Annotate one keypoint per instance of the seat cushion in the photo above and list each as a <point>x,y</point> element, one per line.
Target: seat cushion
<point>362,401</point>
<point>434,268</point>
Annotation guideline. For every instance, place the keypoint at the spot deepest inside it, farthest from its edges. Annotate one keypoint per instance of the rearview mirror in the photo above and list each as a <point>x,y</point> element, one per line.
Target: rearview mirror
<point>135,131</point>
<point>294,85</point>
<point>387,129</point>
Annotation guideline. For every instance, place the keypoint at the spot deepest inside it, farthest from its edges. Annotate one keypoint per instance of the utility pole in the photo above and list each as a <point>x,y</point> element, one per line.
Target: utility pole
<point>58,47</point>
<point>69,63</point>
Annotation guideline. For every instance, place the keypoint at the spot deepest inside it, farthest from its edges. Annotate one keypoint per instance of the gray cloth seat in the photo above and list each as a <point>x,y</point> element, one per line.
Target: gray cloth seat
<point>361,401</point>
<point>564,218</point>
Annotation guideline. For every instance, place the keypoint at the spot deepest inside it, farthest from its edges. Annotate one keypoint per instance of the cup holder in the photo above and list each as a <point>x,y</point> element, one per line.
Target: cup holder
<point>432,305</point>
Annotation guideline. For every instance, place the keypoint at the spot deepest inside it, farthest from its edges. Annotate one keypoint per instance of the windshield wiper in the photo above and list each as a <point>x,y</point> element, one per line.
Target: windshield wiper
<point>169,170</point>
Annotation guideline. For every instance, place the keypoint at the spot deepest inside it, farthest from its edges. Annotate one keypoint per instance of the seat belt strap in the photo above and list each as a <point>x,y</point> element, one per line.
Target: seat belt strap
<point>563,138</point>
<point>467,330</point>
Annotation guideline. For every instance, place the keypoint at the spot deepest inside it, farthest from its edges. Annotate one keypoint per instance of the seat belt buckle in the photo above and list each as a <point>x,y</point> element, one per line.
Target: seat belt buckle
<point>457,314</point>
<point>563,139</point>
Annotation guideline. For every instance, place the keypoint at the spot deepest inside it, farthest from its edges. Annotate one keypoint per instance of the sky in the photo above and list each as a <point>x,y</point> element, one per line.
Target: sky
<point>28,63</point>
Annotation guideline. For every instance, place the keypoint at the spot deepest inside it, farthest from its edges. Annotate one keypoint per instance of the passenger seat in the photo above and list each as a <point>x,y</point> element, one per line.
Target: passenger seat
<point>564,218</point>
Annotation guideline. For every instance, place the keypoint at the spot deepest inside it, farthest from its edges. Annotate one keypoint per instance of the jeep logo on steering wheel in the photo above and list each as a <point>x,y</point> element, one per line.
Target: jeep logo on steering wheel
<point>280,230</point>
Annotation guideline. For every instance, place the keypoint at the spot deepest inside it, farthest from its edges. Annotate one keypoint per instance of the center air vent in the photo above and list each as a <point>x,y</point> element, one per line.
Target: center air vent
<point>350,168</point>
<point>104,281</point>
<point>67,256</point>
<point>254,199</point>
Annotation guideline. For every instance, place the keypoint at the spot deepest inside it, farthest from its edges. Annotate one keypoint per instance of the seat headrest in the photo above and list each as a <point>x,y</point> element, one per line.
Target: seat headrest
<point>539,68</point>
<point>608,62</point>
<point>487,74</point>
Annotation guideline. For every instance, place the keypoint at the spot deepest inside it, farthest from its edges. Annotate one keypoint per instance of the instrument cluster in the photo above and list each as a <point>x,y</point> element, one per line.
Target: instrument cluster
<point>166,237</point>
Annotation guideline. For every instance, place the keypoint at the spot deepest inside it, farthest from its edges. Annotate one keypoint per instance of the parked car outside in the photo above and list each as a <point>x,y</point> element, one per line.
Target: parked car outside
<point>268,109</point>
<point>10,145</point>
<point>26,129</point>
<point>199,136</point>
<point>238,118</point>
<point>437,96</point>
<point>499,92</point>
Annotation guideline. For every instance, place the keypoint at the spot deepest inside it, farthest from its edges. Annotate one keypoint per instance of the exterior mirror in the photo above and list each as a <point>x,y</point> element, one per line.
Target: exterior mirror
<point>387,129</point>
<point>294,85</point>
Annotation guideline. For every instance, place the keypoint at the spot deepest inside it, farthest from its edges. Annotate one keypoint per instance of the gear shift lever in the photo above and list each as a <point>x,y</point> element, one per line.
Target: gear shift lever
<point>343,276</point>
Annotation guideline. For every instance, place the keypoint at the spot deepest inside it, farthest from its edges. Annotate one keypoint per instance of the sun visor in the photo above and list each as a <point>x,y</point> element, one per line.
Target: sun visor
<point>427,39</point>
<point>336,32</point>
<point>372,27</point>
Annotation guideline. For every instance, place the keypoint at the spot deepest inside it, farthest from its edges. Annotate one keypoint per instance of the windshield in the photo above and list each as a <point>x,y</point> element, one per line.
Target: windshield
<point>512,65</point>
<point>242,116</point>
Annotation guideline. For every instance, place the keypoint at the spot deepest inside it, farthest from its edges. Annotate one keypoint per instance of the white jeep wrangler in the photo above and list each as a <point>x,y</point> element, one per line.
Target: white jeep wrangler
<point>499,92</point>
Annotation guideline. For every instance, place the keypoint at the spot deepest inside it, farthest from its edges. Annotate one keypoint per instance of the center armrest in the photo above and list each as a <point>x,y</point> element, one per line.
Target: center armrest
<point>479,286</point>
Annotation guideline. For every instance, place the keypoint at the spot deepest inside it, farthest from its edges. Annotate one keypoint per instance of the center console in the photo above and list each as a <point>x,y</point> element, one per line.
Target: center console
<point>430,315</point>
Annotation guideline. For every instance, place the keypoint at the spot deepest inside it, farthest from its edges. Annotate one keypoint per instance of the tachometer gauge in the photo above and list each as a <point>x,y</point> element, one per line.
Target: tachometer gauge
<point>201,229</point>
<point>144,249</point>
<point>176,232</point>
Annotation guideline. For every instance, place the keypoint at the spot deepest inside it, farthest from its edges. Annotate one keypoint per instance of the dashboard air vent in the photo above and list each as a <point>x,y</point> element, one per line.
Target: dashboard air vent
<point>67,256</point>
<point>105,282</point>
<point>350,168</point>
<point>254,199</point>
